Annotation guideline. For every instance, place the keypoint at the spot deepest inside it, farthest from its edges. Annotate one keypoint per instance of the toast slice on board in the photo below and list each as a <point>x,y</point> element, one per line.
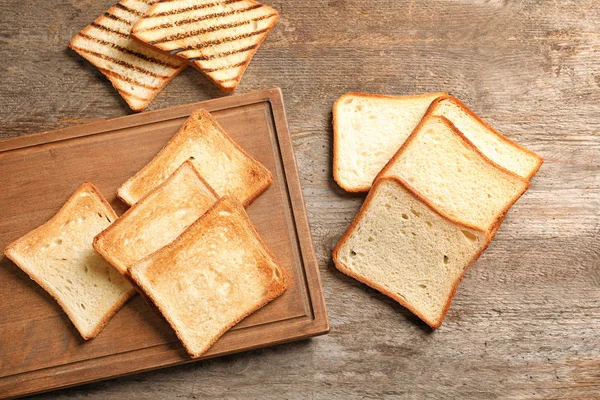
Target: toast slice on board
<point>445,168</point>
<point>219,38</point>
<point>227,168</point>
<point>402,246</point>
<point>59,256</point>
<point>157,219</point>
<point>491,143</point>
<point>212,276</point>
<point>367,130</point>
<point>138,72</point>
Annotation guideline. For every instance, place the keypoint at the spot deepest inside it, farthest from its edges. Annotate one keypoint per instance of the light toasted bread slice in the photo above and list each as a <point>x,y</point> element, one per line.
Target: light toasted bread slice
<point>492,144</point>
<point>59,256</point>
<point>212,276</point>
<point>157,219</point>
<point>138,72</point>
<point>227,168</point>
<point>218,38</point>
<point>367,130</point>
<point>402,246</point>
<point>445,168</point>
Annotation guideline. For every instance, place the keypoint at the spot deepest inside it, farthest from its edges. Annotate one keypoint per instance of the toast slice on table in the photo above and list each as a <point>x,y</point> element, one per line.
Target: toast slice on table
<point>138,72</point>
<point>491,143</point>
<point>402,246</point>
<point>59,256</point>
<point>227,168</point>
<point>367,130</point>
<point>212,276</point>
<point>445,168</point>
<point>218,38</point>
<point>157,219</point>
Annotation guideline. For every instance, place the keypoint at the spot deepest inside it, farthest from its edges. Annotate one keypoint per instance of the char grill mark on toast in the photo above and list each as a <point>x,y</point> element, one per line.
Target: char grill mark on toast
<point>129,10</point>
<point>212,29</point>
<point>130,52</point>
<point>205,17</point>
<point>193,8</point>
<point>208,43</point>
<point>209,57</point>
<point>111,30</point>
<point>124,64</point>
<point>126,79</point>
<point>224,67</point>
<point>116,18</point>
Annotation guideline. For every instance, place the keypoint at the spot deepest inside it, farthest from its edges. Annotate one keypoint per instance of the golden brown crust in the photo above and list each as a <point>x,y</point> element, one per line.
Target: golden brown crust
<point>110,76</point>
<point>196,65</point>
<point>41,231</point>
<point>499,218</point>
<point>336,140</point>
<point>108,255</point>
<point>274,289</point>
<point>500,136</point>
<point>342,268</point>
<point>263,182</point>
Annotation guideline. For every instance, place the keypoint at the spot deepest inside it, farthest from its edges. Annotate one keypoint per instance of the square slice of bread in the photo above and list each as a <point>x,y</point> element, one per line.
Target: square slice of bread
<point>59,256</point>
<point>218,38</point>
<point>492,144</point>
<point>157,219</point>
<point>138,72</point>
<point>367,130</point>
<point>445,168</point>
<point>402,246</point>
<point>227,168</point>
<point>212,276</point>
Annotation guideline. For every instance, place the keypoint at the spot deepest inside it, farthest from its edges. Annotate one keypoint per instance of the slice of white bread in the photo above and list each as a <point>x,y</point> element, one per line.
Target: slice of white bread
<point>491,143</point>
<point>138,72</point>
<point>59,256</point>
<point>367,130</point>
<point>212,276</point>
<point>218,38</point>
<point>157,219</point>
<point>227,168</point>
<point>444,167</point>
<point>402,246</point>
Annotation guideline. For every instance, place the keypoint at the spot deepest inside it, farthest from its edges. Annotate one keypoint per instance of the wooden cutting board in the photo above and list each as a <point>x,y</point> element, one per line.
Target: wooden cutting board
<point>40,349</point>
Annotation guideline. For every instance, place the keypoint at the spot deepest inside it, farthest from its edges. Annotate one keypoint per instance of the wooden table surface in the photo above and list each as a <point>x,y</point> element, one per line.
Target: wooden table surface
<point>525,323</point>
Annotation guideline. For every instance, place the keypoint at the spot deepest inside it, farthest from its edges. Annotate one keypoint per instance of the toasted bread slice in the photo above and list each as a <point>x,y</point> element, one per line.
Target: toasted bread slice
<point>402,246</point>
<point>218,38</point>
<point>212,276</point>
<point>157,219</point>
<point>227,168</point>
<point>492,144</point>
<point>367,130</point>
<point>59,256</point>
<point>138,72</point>
<point>445,168</point>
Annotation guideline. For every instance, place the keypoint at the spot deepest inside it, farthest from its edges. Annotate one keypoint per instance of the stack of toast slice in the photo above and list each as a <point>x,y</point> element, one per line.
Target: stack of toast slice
<point>451,170</point>
<point>141,45</point>
<point>186,243</point>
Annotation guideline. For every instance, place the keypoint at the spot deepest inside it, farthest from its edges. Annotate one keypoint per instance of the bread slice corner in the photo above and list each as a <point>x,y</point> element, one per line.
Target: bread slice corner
<point>368,129</point>
<point>59,256</point>
<point>212,276</point>
<point>402,246</point>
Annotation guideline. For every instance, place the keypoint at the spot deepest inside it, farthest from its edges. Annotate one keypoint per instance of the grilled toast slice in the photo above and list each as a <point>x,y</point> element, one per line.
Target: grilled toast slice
<point>218,37</point>
<point>59,256</point>
<point>491,143</point>
<point>401,245</point>
<point>227,168</point>
<point>157,219</point>
<point>367,130</point>
<point>445,168</point>
<point>138,72</point>
<point>212,276</point>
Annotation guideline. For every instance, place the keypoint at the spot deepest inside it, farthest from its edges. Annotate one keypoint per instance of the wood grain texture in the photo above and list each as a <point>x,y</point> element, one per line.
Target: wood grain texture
<point>525,321</point>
